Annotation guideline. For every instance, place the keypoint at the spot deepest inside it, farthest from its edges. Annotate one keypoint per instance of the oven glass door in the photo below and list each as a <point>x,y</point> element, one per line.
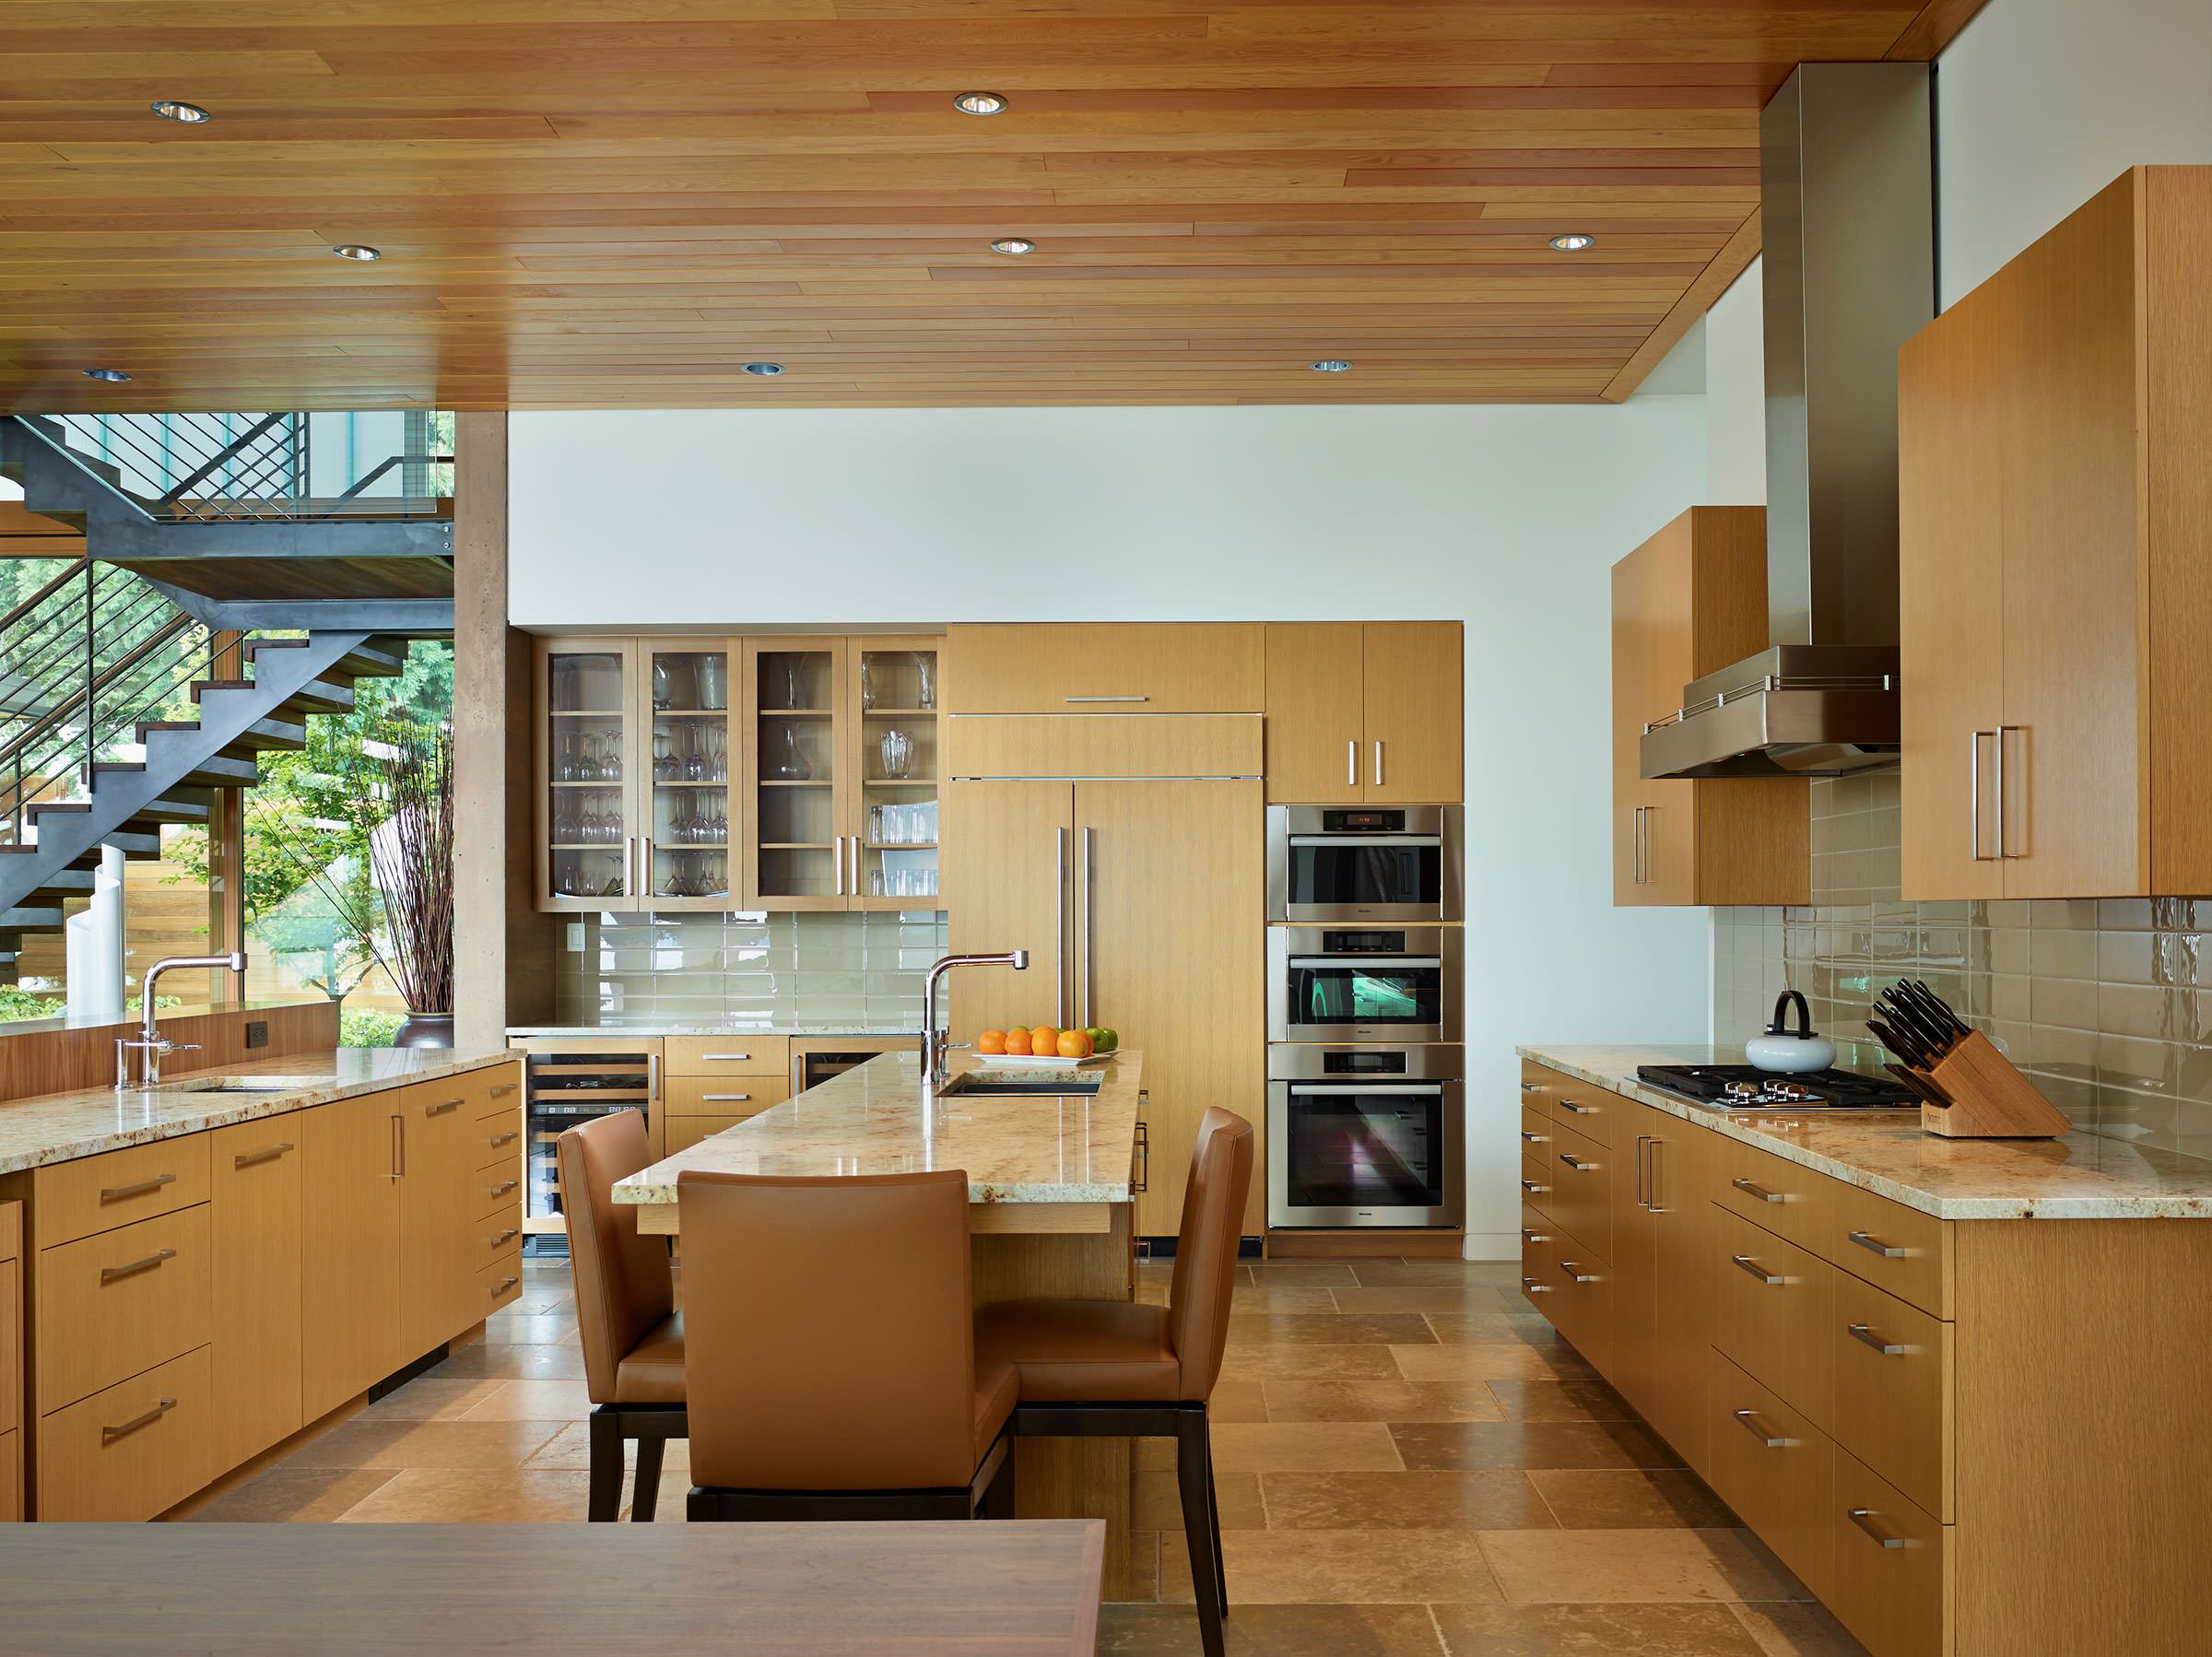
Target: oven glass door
<point>1342,997</point>
<point>1383,876</point>
<point>1360,1152</point>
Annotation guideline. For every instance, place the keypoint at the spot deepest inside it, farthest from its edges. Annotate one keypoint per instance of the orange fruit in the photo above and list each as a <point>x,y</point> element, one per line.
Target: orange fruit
<point>990,1041</point>
<point>1018,1043</point>
<point>1073,1044</point>
<point>1044,1040</point>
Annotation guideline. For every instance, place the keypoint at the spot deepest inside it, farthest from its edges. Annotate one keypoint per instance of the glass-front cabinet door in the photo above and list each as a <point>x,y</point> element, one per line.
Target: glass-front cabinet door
<point>588,846</point>
<point>894,686</point>
<point>689,817</point>
<point>799,855</point>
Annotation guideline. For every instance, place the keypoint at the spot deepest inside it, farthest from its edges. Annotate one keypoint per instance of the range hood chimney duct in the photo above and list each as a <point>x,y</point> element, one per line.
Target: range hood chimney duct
<point>1847,198</point>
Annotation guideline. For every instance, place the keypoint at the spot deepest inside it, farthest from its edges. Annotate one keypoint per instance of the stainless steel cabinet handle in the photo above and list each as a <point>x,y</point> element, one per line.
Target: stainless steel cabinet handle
<point>1529,1286</point>
<point>1875,1245</point>
<point>1642,1144</point>
<point>1105,699</point>
<point>1973,794</point>
<point>728,1057</point>
<point>855,838</point>
<point>116,1193</point>
<point>250,1159</point>
<point>502,1090</point>
<point>837,865</point>
<point>1568,1104</point>
<point>507,1236</point>
<point>1533,1187</point>
<point>1744,1262</point>
<point>1749,1420</point>
<point>504,1285</point>
<point>501,1191</point>
<point>1534,1237</point>
<point>1576,1163</point>
<point>1863,1519</point>
<point>1532,1086</point>
<point>1574,1271</point>
<point>1535,1138</point>
<point>441,1108</point>
<point>500,1139</point>
<point>2002,731</point>
<point>1060,1000</point>
<point>1652,1202</point>
<point>1083,922</point>
<point>399,1147</point>
<point>109,1274</point>
<point>724,1098</point>
<point>1636,847</point>
<point>1144,1147</point>
<point>1864,1333</point>
<point>1378,763</point>
<point>1760,1192</point>
<point>653,1078</point>
<point>1351,763</point>
<point>110,1434</point>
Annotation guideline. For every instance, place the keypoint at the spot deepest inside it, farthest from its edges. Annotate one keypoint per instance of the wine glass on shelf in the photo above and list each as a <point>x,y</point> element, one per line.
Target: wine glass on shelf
<point>925,678</point>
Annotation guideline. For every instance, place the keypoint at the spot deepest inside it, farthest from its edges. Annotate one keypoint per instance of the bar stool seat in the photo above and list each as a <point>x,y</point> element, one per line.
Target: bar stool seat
<point>1082,1351</point>
<point>652,1370</point>
<point>997,1388</point>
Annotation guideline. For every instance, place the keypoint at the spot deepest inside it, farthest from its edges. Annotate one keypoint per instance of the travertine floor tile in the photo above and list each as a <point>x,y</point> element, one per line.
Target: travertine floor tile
<point>1584,1501</point>
<point>1531,1444</point>
<point>1326,1273</point>
<point>1382,1401</point>
<point>1578,1400</point>
<point>1490,1328</point>
<point>431,1398</point>
<point>1344,1568</point>
<point>1144,1565</point>
<point>1492,1500</point>
<point>1803,1630</point>
<point>1238,1399</point>
<point>1371,1362</point>
<point>1510,1631</point>
<point>1465,1299</point>
<point>1315,1329</point>
<point>451,1496</point>
<point>1273,1631</point>
<point>1157,1507</point>
<point>533,1400</point>
<point>474,1446</point>
<point>1486,1274</point>
<point>572,1448</point>
<point>1505,1360</point>
<point>510,1328</point>
<point>484,1361</point>
<point>287,1493</point>
<point>1282,1297</point>
<point>1610,1566</point>
<point>1291,1446</point>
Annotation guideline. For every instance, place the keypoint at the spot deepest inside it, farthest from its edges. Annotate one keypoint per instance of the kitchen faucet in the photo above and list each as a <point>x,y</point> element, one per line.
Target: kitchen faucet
<point>933,1043</point>
<point>150,1041</point>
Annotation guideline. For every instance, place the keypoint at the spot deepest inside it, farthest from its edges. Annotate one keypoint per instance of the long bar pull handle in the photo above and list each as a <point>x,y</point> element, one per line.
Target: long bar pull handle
<point>503,1286</point>
<point>1083,922</point>
<point>1378,762</point>
<point>1574,1271</point>
<point>855,840</point>
<point>1636,847</point>
<point>116,1193</point>
<point>1642,1144</point>
<point>1576,1163</point>
<point>724,1098</point>
<point>501,1089</point>
<point>1974,794</point>
<point>836,865</point>
<point>1760,1192</point>
<point>1060,1000</point>
<point>1569,1105</point>
<point>1532,1086</point>
<point>441,1107</point>
<point>1528,1235</point>
<point>1875,1245</point>
<point>250,1159</point>
<point>1143,1141</point>
<point>1351,763</point>
<point>1863,1518</point>
<point>1105,699</point>
<point>1529,1286</point>
<point>2003,813</point>
<point>1534,1189</point>
<point>728,1057</point>
<point>1744,1262</point>
<point>1864,1333</point>
<point>1750,1421</point>
<point>109,1274</point>
<point>500,1139</point>
<point>653,1078</point>
<point>399,1146</point>
<point>110,1434</point>
<point>1652,1199</point>
<point>501,1191</point>
<point>1535,1138</point>
<point>506,1237</point>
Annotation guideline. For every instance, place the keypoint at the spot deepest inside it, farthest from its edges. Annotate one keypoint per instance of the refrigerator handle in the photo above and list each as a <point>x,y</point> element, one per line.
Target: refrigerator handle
<point>1083,923</point>
<point>1060,923</point>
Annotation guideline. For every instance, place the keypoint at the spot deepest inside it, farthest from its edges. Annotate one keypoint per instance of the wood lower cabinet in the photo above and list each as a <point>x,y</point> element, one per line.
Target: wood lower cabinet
<point>355,1220</point>
<point>11,1361</point>
<point>133,1449</point>
<point>258,1212</point>
<point>439,1188</point>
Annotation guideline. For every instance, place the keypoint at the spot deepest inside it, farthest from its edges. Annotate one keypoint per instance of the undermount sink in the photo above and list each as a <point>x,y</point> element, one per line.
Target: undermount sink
<point>979,1084</point>
<point>248,1084</point>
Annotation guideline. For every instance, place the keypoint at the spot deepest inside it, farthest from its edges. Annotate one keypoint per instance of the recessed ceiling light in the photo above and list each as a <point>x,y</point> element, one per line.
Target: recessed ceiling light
<point>114,375</point>
<point>1573,243</point>
<point>766,370</point>
<point>1332,365</point>
<point>168,109</point>
<point>1013,244</point>
<point>356,251</point>
<point>978,103</point>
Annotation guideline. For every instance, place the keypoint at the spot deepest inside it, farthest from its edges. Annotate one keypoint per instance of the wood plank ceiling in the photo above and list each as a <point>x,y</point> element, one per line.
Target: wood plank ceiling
<point>620,203</point>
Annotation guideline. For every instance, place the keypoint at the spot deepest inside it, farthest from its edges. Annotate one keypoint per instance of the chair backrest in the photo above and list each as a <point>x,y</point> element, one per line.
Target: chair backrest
<point>828,1332</point>
<point>623,1283</point>
<point>1205,1251</point>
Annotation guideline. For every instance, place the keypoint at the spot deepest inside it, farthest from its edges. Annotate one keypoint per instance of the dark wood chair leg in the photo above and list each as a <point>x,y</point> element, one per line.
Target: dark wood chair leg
<point>646,1493</point>
<point>1213,1512</point>
<point>1194,1474</point>
<point>605,1501</point>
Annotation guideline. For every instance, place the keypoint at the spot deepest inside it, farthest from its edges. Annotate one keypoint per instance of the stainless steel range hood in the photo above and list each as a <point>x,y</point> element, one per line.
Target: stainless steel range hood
<point>1847,196</point>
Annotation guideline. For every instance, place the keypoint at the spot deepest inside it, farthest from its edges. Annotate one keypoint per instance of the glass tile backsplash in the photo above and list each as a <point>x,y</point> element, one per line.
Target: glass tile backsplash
<point>2106,1003</point>
<point>747,971</point>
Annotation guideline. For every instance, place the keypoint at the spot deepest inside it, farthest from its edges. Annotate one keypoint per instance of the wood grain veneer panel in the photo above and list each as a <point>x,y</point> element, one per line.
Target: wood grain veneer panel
<point>43,1062</point>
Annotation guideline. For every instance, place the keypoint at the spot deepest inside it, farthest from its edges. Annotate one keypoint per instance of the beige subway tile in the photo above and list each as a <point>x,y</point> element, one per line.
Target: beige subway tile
<point>2056,954</point>
<point>2064,1002</point>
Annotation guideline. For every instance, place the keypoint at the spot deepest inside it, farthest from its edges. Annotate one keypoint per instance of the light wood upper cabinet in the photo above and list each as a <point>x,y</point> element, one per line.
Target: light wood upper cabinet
<point>1686,602</point>
<point>260,1242</point>
<point>354,1225</point>
<point>2056,532</point>
<point>1365,710</point>
<point>1060,668</point>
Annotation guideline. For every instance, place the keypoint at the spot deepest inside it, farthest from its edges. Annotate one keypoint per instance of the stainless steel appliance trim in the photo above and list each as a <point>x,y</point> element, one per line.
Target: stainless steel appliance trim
<point>1423,1060</point>
<point>1366,840</point>
<point>1446,824</point>
<point>1083,972</point>
<point>726,1056</point>
<point>1404,1090</point>
<point>1291,948</point>
<point>1451,1211</point>
<point>1368,961</point>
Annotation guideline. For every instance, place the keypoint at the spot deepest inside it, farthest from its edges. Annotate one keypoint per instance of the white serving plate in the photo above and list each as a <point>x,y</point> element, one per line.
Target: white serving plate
<point>1015,1061</point>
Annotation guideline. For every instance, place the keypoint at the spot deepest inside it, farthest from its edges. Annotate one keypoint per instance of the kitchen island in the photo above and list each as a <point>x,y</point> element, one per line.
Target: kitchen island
<point>1051,1187</point>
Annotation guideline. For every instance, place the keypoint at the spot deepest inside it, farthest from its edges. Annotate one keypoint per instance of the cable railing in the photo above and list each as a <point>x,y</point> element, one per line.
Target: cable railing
<point>84,660</point>
<point>243,467</point>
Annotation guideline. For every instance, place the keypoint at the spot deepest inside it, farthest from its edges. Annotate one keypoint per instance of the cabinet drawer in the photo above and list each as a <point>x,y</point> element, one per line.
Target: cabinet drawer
<point>684,1132</point>
<point>1774,1468</point>
<point>1581,1172</point>
<point>1537,1083</point>
<point>1589,1111</point>
<point>1775,1195</point>
<point>1536,1130</point>
<point>495,1237</point>
<point>11,1477</point>
<point>498,1089</point>
<point>733,1095</point>
<point>1537,1186</point>
<point>1773,1312</point>
<point>1536,1260</point>
<point>1891,1563</point>
<point>726,1056</point>
<point>498,1284</point>
<point>1186,667</point>
<point>1137,743</point>
<point>495,1141</point>
<point>98,1193</point>
<point>1893,1391</point>
<point>1580,1303</point>
<point>131,1451</point>
<point>1888,1245</point>
<point>491,1190</point>
<point>115,1304</point>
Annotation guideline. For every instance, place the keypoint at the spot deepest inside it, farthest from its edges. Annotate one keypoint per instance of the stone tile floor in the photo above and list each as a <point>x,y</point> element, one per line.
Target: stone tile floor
<point>1408,1460</point>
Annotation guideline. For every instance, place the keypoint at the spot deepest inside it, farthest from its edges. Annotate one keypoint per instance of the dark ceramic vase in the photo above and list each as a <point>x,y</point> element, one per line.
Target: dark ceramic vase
<point>425,1029</point>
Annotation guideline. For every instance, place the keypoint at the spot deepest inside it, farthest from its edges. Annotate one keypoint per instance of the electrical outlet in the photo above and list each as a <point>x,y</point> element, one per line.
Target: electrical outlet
<point>575,937</point>
<point>258,1032</point>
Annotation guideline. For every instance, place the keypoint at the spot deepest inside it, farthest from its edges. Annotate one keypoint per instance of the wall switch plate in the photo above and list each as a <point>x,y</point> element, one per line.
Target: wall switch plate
<point>575,937</point>
<point>258,1032</point>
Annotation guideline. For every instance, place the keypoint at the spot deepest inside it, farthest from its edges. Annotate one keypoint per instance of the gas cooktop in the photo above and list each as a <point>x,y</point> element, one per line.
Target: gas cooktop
<point>1746,1087</point>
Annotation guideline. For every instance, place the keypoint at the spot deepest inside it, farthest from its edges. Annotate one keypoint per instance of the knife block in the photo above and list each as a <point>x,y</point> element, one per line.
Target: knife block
<point>1990,1099</point>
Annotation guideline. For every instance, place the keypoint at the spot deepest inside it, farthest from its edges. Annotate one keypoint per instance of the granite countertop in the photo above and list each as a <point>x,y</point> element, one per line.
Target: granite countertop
<point>646,1027</point>
<point>872,1119</point>
<point>61,1127</point>
<point>2077,1176</point>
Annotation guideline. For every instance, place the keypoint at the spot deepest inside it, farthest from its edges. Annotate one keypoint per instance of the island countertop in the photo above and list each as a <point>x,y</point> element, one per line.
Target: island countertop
<point>62,1127</point>
<point>1071,1153</point>
<point>2075,1176</point>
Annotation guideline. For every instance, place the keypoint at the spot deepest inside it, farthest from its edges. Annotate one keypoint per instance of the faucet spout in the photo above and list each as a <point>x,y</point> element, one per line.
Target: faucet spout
<point>150,1041</point>
<point>932,1039</point>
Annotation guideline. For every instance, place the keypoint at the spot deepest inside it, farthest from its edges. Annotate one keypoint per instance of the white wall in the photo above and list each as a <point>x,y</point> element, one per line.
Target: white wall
<point>1506,518</point>
<point>1736,389</point>
<point>2041,103</point>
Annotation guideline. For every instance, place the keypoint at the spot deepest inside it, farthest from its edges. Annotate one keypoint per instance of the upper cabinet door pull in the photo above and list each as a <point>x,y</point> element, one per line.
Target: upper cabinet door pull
<point>1864,1333</point>
<point>1863,1519</point>
<point>1351,763</point>
<point>144,1187</point>
<point>1875,1245</point>
<point>109,1274</point>
<point>1744,1262</point>
<point>1378,763</point>
<point>249,1159</point>
<point>1760,1192</point>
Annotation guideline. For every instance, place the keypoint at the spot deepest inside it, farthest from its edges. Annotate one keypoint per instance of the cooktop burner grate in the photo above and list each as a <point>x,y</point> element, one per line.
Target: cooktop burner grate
<point>1745,1087</point>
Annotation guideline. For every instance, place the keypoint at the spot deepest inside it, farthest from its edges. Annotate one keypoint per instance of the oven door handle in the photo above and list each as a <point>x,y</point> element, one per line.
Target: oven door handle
<point>1367,840</point>
<point>1392,1089</point>
<point>1352,963</point>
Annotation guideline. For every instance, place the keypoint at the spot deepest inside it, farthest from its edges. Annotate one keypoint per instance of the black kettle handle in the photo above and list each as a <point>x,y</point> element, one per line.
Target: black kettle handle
<point>1783,1003</point>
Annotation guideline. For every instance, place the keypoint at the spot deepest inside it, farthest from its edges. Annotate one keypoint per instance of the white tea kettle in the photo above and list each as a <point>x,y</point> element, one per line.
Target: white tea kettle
<point>1787,1050</point>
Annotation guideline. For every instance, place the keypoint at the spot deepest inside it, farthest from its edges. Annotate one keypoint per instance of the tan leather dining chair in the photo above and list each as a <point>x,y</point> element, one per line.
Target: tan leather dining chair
<point>632,1334</point>
<point>1116,1369</point>
<point>833,1366</point>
